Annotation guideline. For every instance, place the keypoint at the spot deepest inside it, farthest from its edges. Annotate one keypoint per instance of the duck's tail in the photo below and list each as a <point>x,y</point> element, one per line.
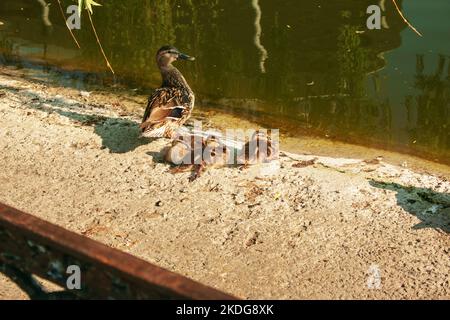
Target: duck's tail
<point>153,133</point>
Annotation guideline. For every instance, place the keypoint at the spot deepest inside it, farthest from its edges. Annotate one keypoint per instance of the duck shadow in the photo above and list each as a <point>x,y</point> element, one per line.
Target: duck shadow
<point>431,207</point>
<point>158,156</point>
<point>119,135</point>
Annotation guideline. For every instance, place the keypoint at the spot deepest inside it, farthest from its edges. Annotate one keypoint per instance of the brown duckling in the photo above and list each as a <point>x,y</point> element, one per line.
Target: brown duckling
<point>259,149</point>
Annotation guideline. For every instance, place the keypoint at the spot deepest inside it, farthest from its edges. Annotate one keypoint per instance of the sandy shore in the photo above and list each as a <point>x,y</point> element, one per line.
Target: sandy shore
<point>338,228</point>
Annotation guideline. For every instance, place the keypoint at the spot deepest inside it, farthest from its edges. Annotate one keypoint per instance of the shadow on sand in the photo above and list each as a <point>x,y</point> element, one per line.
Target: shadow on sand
<point>432,208</point>
<point>119,135</point>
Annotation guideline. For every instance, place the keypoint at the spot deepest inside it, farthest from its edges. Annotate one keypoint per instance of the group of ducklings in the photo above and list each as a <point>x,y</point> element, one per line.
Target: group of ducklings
<point>199,152</point>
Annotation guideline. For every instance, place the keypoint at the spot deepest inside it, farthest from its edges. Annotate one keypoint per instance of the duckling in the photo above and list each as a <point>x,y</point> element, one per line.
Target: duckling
<point>185,150</point>
<point>259,149</point>
<point>196,152</point>
<point>186,153</point>
<point>170,106</point>
<point>216,153</point>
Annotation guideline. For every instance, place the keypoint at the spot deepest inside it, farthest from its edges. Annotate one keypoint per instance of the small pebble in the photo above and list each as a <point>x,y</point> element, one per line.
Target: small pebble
<point>85,94</point>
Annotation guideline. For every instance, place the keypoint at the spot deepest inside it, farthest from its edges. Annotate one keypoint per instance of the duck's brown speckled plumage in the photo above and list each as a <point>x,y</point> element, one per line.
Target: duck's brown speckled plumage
<point>171,105</point>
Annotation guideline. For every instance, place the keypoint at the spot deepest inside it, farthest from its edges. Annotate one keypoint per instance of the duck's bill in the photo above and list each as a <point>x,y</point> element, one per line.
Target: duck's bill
<point>183,56</point>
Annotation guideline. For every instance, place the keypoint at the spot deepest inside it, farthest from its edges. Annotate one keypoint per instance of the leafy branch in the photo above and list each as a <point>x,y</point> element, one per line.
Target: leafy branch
<point>87,5</point>
<point>65,21</point>
<point>98,41</point>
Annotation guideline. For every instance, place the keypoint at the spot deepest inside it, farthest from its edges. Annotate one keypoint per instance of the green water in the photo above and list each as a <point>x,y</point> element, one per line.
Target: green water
<point>314,68</point>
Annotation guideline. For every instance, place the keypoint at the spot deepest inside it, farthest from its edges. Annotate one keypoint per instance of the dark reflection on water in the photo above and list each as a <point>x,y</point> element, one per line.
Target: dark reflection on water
<point>304,66</point>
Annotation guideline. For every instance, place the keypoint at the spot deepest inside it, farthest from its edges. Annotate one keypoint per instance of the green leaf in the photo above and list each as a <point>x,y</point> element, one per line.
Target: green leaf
<point>87,5</point>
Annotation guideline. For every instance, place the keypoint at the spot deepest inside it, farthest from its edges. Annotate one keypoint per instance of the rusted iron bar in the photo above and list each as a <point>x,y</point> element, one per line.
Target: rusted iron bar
<point>32,246</point>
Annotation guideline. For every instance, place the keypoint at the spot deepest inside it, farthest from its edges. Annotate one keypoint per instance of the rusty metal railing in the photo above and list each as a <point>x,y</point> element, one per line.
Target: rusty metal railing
<point>31,246</point>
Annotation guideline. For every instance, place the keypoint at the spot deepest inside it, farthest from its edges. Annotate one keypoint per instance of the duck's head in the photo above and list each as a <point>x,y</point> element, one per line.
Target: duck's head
<point>168,54</point>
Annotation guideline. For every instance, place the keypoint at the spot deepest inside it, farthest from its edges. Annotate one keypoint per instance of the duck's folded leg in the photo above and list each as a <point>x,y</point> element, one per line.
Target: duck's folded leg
<point>180,168</point>
<point>198,169</point>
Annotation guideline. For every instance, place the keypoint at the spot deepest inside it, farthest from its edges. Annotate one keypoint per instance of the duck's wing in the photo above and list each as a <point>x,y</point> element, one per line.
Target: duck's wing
<point>164,107</point>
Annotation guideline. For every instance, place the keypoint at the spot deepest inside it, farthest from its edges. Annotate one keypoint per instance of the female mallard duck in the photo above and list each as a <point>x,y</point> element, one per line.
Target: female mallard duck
<point>171,105</point>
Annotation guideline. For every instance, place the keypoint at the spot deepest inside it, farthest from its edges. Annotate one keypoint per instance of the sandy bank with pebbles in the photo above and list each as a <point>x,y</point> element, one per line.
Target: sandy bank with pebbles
<point>318,228</point>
